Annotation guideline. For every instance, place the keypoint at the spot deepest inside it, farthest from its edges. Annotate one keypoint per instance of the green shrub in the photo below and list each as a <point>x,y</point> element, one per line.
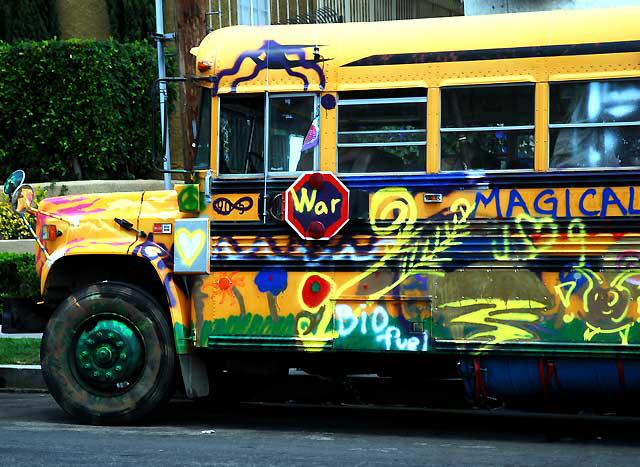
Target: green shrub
<point>132,20</point>
<point>11,226</point>
<point>28,19</point>
<point>76,109</point>
<point>18,277</point>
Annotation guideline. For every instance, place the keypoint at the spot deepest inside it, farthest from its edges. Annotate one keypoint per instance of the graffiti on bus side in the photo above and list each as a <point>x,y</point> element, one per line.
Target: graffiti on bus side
<point>272,55</point>
<point>531,279</point>
<point>528,238</point>
<point>392,215</point>
<point>564,202</point>
<point>378,324</point>
<point>498,320</point>
<point>609,302</point>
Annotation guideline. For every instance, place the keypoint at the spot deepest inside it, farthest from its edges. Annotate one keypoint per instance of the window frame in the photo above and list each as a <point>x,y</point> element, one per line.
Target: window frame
<point>252,9</point>
<point>267,96</point>
<point>316,153</point>
<point>489,128</point>
<point>253,176</point>
<point>376,101</point>
<point>553,126</point>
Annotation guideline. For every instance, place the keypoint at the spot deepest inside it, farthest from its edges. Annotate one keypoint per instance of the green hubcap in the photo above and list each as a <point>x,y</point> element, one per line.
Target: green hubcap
<point>109,352</point>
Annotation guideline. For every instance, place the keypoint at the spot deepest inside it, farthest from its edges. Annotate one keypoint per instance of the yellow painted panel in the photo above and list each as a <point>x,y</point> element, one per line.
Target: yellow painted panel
<point>302,56</point>
<point>235,207</point>
<point>328,136</point>
<point>433,130</point>
<point>542,127</point>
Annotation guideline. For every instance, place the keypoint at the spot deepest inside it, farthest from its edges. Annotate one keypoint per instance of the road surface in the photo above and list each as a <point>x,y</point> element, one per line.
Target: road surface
<point>35,432</point>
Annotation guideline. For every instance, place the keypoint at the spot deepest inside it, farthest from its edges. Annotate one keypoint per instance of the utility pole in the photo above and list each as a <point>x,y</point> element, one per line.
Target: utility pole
<point>191,25</point>
<point>164,127</point>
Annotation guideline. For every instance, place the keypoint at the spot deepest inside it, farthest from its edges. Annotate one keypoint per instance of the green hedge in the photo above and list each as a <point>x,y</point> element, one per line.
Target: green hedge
<point>18,277</point>
<point>34,20</point>
<point>76,109</point>
<point>132,20</point>
<point>11,226</point>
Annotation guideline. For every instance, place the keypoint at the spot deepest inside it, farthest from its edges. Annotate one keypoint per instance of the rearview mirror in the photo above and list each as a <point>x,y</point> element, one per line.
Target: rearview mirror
<point>22,199</point>
<point>13,182</point>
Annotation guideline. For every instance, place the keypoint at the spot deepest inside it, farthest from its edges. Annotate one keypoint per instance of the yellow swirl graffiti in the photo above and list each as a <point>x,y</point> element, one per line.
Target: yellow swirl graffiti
<point>401,240</point>
<point>501,315</point>
<point>395,203</point>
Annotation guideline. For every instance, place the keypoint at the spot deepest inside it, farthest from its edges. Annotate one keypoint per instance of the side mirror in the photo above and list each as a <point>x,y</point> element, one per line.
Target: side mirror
<point>13,182</point>
<point>22,199</point>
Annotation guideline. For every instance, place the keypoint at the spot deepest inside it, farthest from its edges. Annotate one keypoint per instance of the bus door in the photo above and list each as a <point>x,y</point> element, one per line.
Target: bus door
<point>261,290</point>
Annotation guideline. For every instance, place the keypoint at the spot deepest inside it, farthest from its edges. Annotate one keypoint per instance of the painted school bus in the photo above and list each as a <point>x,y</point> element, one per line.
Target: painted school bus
<point>371,197</point>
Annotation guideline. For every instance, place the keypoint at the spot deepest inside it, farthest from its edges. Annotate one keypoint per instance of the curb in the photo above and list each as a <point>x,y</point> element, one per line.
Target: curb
<point>18,246</point>
<point>14,377</point>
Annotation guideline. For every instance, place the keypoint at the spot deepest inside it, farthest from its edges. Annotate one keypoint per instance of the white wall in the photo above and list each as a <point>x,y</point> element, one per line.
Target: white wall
<point>382,10</point>
<point>484,7</point>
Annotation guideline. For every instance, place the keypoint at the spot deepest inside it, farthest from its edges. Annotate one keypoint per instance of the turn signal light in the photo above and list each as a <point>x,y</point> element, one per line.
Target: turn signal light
<point>50,232</point>
<point>203,66</point>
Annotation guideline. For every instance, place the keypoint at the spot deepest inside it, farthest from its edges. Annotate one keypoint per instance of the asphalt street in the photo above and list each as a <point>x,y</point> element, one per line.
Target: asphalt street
<point>35,432</point>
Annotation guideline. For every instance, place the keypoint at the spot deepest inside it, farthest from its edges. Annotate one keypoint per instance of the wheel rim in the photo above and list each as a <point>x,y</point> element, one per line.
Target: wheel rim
<point>109,353</point>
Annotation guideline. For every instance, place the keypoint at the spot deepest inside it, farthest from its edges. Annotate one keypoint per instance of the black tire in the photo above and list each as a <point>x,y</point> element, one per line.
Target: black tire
<point>134,364</point>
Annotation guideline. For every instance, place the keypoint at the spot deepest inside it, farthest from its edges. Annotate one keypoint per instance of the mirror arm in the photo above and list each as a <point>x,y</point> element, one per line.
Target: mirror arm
<point>35,237</point>
<point>175,171</point>
<point>35,211</point>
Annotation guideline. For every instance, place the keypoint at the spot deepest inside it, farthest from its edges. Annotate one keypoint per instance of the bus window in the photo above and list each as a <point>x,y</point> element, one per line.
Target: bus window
<point>382,134</point>
<point>487,127</point>
<point>290,118</point>
<point>594,124</point>
<point>203,146</point>
<point>241,135</point>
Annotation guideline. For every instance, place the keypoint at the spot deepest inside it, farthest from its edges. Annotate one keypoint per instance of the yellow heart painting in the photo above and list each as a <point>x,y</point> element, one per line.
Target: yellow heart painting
<point>189,244</point>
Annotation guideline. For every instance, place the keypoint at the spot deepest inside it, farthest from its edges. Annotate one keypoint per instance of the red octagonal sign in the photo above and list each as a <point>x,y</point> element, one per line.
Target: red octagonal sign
<point>316,205</point>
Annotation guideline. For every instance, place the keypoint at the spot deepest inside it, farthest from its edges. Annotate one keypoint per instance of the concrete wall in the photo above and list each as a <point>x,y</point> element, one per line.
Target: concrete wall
<point>82,187</point>
<point>18,246</point>
<point>83,19</point>
<point>484,7</point>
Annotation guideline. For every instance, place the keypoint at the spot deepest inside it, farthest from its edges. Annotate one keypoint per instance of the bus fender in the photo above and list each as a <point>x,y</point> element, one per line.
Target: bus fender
<point>192,366</point>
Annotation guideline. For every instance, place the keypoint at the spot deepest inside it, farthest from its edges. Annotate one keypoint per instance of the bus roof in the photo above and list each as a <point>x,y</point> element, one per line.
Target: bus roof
<point>414,53</point>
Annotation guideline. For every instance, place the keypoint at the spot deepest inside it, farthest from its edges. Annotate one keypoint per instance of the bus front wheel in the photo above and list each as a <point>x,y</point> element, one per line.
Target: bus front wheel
<point>108,355</point>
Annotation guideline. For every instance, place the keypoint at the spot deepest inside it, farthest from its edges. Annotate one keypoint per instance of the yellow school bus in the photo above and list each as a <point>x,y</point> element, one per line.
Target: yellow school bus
<point>395,198</point>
